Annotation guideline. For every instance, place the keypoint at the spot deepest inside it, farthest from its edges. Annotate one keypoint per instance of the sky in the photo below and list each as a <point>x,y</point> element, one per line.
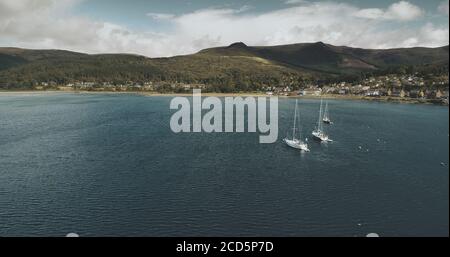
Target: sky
<point>160,28</point>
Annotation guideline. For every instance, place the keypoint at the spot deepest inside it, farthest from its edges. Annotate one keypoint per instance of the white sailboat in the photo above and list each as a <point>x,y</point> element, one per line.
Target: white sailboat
<point>326,116</point>
<point>319,133</point>
<point>295,142</point>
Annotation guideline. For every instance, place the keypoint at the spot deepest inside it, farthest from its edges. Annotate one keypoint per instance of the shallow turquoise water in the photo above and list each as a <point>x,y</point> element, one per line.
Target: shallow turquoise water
<point>109,165</point>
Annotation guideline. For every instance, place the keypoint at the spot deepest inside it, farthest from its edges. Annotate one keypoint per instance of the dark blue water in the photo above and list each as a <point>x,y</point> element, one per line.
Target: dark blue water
<point>109,165</point>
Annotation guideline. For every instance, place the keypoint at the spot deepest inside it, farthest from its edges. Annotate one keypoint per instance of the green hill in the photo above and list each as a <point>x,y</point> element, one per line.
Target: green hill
<point>338,60</point>
<point>236,67</point>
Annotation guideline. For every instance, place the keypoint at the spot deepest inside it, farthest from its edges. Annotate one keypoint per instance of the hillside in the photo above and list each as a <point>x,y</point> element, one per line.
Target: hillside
<point>236,67</point>
<point>327,58</point>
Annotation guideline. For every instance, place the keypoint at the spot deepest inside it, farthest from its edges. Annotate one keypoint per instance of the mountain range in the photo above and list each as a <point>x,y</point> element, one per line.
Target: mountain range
<point>231,66</point>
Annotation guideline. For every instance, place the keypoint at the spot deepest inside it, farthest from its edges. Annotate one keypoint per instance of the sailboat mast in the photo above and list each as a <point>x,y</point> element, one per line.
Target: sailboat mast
<point>299,127</point>
<point>319,124</point>
<point>295,120</point>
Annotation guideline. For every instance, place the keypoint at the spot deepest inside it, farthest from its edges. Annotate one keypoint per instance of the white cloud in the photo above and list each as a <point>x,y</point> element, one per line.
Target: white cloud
<point>323,21</point>
<point>402,11</point>
<point>244,9</point>
<point>295,2</point>
<point>44,22</point>
<point>161,16</point>
<point>370,13</point>
<point>443,7</point>
<point>49,24</point>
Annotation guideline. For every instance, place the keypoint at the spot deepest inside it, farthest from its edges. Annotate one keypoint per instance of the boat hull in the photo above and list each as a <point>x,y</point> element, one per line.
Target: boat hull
<point>296,144</point>
<point>321,137</point>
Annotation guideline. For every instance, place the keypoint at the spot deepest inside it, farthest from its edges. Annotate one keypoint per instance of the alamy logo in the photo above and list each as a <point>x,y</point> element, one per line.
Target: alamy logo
<point>213,121</point>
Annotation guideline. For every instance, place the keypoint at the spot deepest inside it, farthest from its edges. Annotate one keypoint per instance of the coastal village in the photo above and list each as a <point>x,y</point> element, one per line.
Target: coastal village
<point>393,86</point>
<point>412,86</point>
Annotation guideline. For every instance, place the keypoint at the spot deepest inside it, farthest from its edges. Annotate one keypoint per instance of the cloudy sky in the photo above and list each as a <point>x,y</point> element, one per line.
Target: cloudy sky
<point>172,27</point>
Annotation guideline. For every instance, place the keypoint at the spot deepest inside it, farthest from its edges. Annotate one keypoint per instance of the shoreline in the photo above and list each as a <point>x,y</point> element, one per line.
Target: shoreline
<point>386,99</point>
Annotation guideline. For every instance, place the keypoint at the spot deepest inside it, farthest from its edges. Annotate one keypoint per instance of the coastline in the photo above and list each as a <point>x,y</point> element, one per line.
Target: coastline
<point>388,99</point>
<point>150,94</point>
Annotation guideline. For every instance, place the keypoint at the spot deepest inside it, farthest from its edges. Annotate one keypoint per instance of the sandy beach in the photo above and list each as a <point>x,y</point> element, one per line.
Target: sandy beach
<point>242,94</point>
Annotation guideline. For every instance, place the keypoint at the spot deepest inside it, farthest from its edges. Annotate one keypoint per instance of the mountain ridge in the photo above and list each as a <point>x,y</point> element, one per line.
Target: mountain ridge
<point>228,66</point>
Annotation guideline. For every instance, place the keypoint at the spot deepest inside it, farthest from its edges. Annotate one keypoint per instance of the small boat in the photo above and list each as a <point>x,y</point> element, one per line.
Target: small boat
<point>326,116</point>
<point>319,133</point>
<point>295,142</point>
